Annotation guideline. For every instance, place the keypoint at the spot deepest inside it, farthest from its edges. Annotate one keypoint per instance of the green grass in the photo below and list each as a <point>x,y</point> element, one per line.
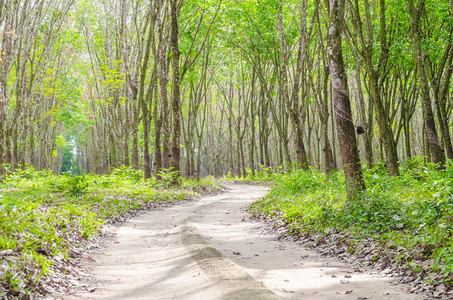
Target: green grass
<point>262,175</point>
<point>43,215</point>
<point>412,213</point>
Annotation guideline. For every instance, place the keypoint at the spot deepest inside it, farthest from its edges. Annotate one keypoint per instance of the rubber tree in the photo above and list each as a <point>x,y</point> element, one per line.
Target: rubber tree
<point>175,101</point>
<point>342,106</point>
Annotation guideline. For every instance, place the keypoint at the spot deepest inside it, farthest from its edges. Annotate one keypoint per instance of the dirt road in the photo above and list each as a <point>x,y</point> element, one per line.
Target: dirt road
<point>208,249</point>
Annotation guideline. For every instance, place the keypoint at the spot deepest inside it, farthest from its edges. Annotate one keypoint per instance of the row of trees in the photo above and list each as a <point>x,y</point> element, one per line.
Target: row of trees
<point>134,84</point>
<point>35,78</point>
<point>217,87</point>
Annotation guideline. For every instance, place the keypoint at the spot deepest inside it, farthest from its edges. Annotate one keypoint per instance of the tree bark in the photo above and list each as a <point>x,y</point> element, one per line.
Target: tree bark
<point>163,81</point>
<point>342,106</point>
<point>363,117</point>
<point>329,161</point>
<point>176,105</point>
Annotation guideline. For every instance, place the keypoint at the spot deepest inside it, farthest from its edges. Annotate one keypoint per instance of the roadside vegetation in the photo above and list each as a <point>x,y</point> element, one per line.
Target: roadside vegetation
<point>408,219</point>
<point>43,216</point>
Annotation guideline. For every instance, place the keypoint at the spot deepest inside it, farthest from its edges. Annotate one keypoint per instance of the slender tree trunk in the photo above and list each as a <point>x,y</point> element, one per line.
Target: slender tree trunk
<point>15,158</point>
<point>135,124</point>
<point>451,8</point>
<point>126,150</point>
<point>407,139</point>
<point>329,160</point>
<point>163,80</point>
<point>176,105</point>
<point>361,102</point>
<point>440,97</point>
<point>143,102</point>
<point>157,165</point>
<point>252,127</point>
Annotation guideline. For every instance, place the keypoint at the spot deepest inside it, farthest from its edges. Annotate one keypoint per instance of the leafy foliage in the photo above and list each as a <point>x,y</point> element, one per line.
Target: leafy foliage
<point>169,177</point>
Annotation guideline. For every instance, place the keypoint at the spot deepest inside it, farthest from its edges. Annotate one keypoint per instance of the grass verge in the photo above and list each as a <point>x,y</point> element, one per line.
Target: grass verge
<point>410,217</point>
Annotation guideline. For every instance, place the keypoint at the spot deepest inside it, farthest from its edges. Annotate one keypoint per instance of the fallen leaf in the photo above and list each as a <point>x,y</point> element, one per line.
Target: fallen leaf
<point>385,263</point>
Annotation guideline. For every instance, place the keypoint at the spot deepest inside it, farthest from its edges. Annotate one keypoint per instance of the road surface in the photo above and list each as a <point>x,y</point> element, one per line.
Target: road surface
<point>209,249</point>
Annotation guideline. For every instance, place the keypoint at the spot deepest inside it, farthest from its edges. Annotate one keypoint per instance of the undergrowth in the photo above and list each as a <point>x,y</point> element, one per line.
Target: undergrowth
<point>412,213</point>
<point>43,215</point>
<point>261,175</point>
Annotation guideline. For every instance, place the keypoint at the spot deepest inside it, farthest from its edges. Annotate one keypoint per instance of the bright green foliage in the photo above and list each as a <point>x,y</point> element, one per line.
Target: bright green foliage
<point>262,175</point>
<point>43,215</point>
<point>69,164</point>
<point>169,177</point>
<point>411,212</point>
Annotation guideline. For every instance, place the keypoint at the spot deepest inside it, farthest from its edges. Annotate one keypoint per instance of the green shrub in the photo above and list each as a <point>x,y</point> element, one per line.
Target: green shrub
<point>77,186</point>
<point>169,177</point>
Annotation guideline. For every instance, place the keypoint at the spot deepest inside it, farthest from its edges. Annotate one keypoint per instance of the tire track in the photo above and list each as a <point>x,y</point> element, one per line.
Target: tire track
<point>234,280</point>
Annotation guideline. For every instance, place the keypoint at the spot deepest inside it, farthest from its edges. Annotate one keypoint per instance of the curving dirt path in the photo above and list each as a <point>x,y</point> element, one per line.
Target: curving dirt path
<point>208,249</point>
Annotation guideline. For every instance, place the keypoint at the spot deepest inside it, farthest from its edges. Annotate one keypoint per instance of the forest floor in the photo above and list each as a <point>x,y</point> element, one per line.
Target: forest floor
<point>210,248</point>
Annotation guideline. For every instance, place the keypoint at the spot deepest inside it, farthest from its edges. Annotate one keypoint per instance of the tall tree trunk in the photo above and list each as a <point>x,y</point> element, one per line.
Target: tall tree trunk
<point>157,165</point>
<point>342,106</point>
<point>175,103</point>
<point>451,8</point>
<point>361,102</point>
<point>407,139</point>
<point>252,127</point>
<point>329,161</point>
<point>440,97</point>
<point>142,99</point>
<point>163,80</point>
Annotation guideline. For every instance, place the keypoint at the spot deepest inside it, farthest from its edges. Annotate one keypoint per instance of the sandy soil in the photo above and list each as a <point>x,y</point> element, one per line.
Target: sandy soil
<point>209,249</point>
